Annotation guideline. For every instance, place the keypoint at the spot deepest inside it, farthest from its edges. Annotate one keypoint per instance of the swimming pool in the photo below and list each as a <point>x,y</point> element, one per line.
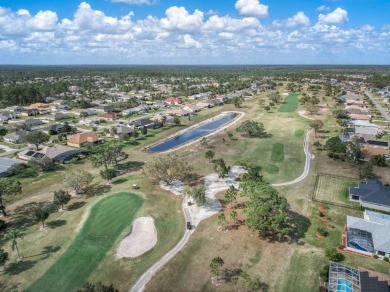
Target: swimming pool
<point>344,285</point>
<point>357,246</point>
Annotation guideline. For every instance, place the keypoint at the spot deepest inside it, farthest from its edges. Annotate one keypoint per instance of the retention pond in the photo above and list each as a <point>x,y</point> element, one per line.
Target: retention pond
<point>197,131</point>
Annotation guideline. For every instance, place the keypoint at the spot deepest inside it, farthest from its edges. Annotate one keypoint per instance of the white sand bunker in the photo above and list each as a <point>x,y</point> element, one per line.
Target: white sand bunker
<point>143,237</point>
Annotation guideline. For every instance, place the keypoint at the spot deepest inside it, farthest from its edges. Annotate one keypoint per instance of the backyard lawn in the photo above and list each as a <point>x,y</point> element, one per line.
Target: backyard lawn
<point>334,189</point>
<point>106,221</point>
<point>290,103</point>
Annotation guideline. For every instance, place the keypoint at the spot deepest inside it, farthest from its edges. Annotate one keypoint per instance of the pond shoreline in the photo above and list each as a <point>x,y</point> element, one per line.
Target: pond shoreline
<point>190,142</point>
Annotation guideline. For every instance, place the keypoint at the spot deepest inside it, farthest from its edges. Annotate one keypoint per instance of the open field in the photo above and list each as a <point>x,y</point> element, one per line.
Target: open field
<point>334,189</point>
<point>290,103</point>
<point>106,221</point>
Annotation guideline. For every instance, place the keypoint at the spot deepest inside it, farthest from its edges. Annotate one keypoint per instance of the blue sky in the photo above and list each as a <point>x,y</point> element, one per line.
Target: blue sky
<point>195,32</point>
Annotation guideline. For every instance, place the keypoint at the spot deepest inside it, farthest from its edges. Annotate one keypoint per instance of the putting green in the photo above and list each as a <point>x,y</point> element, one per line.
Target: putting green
<point>106,221</point>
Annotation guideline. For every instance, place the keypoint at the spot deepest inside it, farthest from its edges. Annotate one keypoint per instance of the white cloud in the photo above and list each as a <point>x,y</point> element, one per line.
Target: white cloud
<point>338,16</point>
<point>323,8</point>
<point>252,8</point>
<point>179,18</point>
<point>226,23</point>
<point>44,20</point>
<point>189,42</point>
<point>138,2</point>
<point>299,19</point>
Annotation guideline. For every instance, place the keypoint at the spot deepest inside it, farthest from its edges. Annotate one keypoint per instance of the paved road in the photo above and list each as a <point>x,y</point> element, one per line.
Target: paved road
<point>13,151</point>
<point>145,277</point>
<point>309,156</point>
<point>383,112</point>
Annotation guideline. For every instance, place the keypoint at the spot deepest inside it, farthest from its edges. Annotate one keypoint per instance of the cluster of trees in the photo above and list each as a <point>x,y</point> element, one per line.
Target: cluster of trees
<point>252,129</point>
<point>107,155</point>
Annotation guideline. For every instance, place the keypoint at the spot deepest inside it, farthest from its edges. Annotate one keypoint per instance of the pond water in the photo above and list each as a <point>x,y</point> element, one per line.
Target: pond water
<point>194,133</point>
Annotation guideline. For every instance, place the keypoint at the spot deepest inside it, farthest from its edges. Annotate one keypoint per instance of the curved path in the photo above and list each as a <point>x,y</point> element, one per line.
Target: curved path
<point>146,277</point>
<point>309,156</point>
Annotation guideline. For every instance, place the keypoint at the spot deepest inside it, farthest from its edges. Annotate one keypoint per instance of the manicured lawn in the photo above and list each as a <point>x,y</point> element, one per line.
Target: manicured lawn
<point>277,152</point>
<point>106,221</point>
<point>290,103</point>
<point>334,189</point>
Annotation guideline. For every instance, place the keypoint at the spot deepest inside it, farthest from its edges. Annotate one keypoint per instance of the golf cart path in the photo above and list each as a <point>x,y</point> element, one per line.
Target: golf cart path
<point>214,185</point>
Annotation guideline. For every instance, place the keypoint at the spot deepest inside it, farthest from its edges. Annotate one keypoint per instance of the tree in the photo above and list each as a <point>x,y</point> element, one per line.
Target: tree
<point>379,160</point>
<point>39,213</point>
<point>61,198</point>
<point>77,180</point>
<point>252,129</point>
<point>252,172</point>
<point>316,125</point>
<point>233,215</point>
<point>220,168</point>
<point>354,149</point>
<point>98,287</point>
<point>231,195</point>
<point>66,130</point>
<point>144,131</point>
<point>230,135</point>
<point>9,187</point>
<point>3,131</point>
<point>237,101</point>
<point>42,163</point>
<point>203,142</point>
<point>37,138</point>
<point>167,169</point>
<point>335,145</point>
<point>197,193</point>
<point>366,170</point>
<point>209,155</point>
<point>117,154</point>
<point>332,254</point>
<point>3,257</point>
<point>163,120</point>
<point>244,280</point>
<point>176,121</point>
<point>222,219</point>
<point>113,131</point>
<point>13,235</point>
<point>275,97</point>
<point>216,265</point>
<point>108,174</point>
<point>267,211</point>
<point>267,108</point>
<point>311,107</point>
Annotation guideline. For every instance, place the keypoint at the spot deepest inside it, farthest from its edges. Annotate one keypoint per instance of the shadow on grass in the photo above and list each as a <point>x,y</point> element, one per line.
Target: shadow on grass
<point>130,166</point>
<point>119,181</point>
<point>17,268</point>
<point>75,206</point>
<point>97,190</point>
<point>56,223</point>
<point>46,251</point>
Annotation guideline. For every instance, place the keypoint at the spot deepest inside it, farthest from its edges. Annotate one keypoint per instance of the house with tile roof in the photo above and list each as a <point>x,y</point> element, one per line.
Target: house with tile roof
<point>80,139</point>
<point>372,194</point>
<point>109,116</point>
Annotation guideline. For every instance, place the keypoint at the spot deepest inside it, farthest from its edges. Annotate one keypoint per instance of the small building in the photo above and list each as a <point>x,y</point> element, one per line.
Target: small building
<point>6,164</point>
<point>144,123</point>
<point>103,108</point>
<point>60,153</point>
<point>368,236</point>
<point>346,279</point>
<point>80,139</point>
<point>53,129</point>
<point>32,122</point>
<point>60,116</point>
<point>173,100</point>
<point>122,130</point>
<point>16,137</point>
<point>109,116</point>
<point>370,151</point>
<point>372,194</point>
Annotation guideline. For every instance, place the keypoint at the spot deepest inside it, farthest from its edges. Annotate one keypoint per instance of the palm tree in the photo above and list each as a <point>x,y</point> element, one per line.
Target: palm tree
<point>13,234</point>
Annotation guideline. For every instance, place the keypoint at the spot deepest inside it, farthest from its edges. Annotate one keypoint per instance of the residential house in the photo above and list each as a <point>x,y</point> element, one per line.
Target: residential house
<point>55,128</point>
<point>360,117</point>
<point>103,108</point>
<point>158,118</point>
<point>80,139</point>
<point>92,122</point>
<point>173,100</point>
<point>191,108</point>
<point>375,132</point>
<point>60,116</point>
<point>32,123</point>
<point>16,137</point>
<point>109,116</point>
<point>122,130</point>
<point>60,153</point>
<point>141,123</point>
<point>370,151</point>
<point>14,109</point>
<point>372,194</point>
<point>368,236</point>
<point>6,164</point>
<point>5,117</point>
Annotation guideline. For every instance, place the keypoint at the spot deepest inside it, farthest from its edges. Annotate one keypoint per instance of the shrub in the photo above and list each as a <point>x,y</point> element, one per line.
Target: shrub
<point>386,259</point>
<point>321,214</point>
<point>324,273</point>
<point>267,108</point>
<point>52,132</point>
<point>375,256</point>
<point>342,246</point>
<point>2,224</point>
<point>332,254</point>
<point>322,231</point>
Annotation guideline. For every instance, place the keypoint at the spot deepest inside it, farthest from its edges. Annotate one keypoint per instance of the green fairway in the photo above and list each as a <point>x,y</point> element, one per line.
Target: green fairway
<point>290,103</point>
<point>277,152</point>
<point>270,168</point>
<point>107,220</point>
<point>299,133</point>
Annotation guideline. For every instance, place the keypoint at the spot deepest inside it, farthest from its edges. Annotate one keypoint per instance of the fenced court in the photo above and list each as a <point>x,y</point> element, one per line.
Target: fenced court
<point>334,190</point>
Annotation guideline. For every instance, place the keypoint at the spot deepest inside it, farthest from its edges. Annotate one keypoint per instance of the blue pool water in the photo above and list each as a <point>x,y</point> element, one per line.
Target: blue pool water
<point>193,134</point>
<point>344,285</point>
<point>357,246</point>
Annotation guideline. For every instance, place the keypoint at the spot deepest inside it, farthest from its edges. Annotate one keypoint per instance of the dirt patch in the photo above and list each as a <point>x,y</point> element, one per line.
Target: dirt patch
<point>143,237</point>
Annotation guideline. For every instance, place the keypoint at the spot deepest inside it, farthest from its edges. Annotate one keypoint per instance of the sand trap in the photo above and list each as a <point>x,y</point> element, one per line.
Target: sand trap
<point>143,237</point>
